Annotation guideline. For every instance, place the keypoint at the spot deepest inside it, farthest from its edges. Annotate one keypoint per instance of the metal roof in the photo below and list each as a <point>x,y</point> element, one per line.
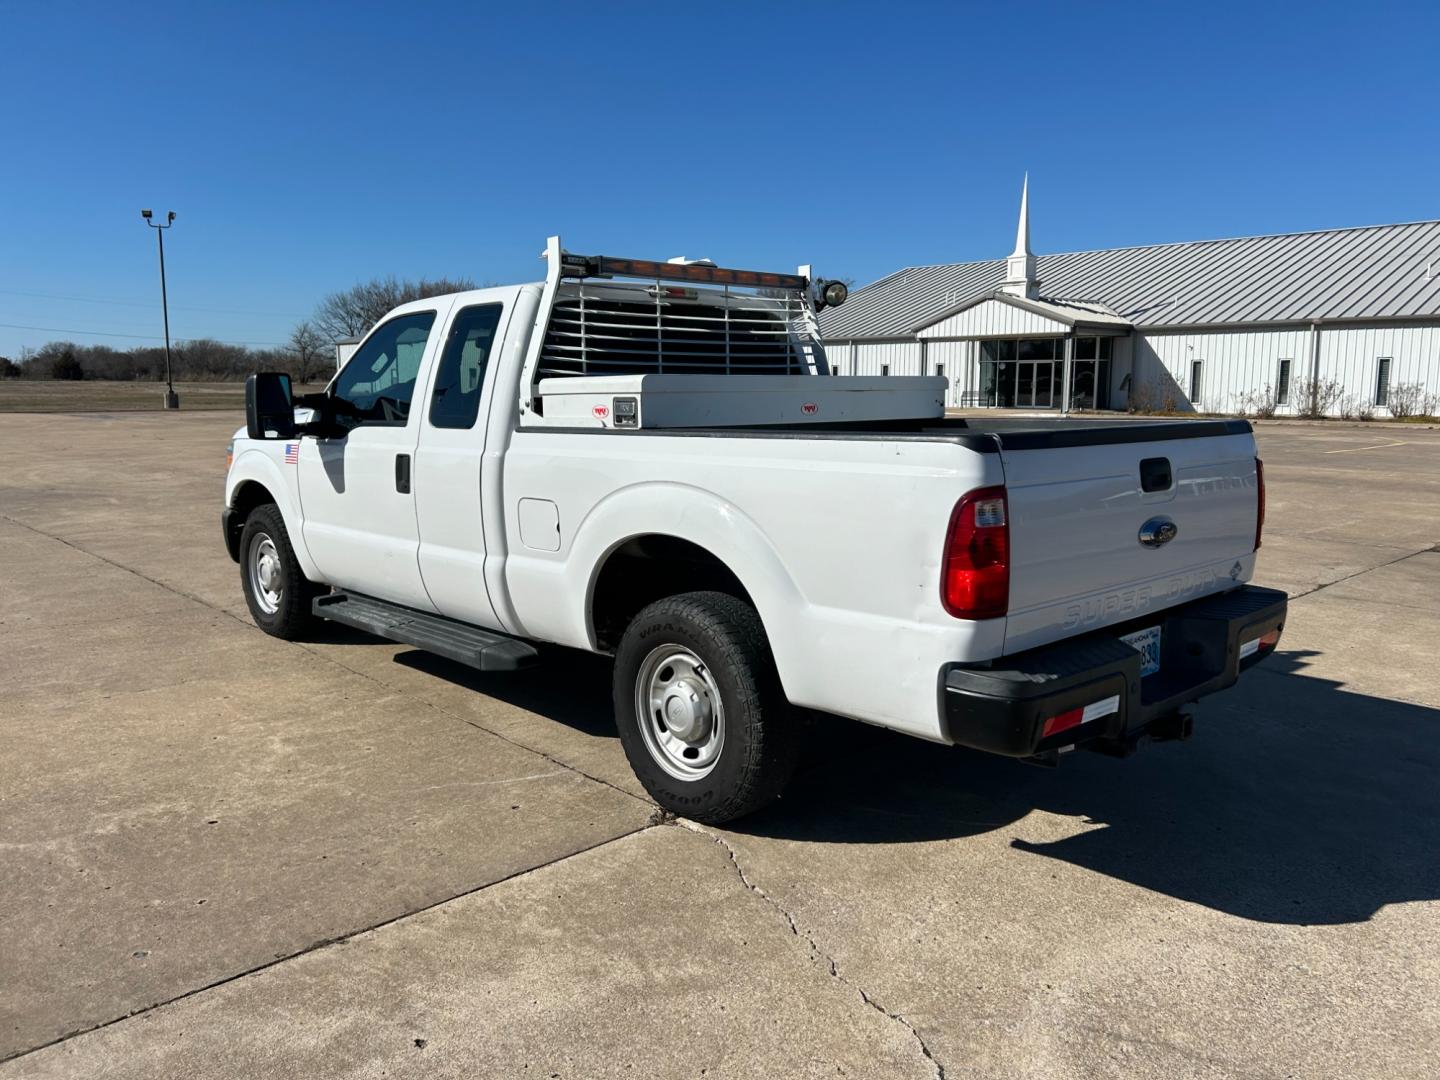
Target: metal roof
<point>1375,272</point>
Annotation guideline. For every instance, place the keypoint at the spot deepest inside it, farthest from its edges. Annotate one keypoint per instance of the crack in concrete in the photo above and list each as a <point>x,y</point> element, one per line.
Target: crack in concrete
<point>316,946</point>
<point>655,819</point>
<point>249,625</point>
<point>126,569</point>
<point>1361,573</point>
<point>816,952</point>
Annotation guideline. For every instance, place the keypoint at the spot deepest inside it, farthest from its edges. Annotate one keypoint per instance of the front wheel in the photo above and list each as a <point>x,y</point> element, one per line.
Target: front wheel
<point>276,590</point>
<point>699,707</point>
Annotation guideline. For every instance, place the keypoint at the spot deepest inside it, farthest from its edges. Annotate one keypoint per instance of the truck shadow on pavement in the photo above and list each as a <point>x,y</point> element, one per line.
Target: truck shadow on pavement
<point>1296,802</point>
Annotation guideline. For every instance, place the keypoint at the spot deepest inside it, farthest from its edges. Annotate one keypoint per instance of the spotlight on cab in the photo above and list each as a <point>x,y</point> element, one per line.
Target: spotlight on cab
<point>831,293</point>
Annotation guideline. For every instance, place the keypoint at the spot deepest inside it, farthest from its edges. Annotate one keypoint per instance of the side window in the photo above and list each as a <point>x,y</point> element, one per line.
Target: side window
<point>456,400</point>
<point>379,380</point>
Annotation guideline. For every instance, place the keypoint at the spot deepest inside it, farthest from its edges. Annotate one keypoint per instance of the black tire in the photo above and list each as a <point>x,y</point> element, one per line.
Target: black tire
<point>285,613</point>
<point>757,745</point>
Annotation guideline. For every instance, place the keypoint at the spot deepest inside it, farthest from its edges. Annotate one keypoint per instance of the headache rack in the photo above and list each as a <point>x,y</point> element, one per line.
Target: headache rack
<point>665,328</point>
<point>640,343</point>
<point>610,316</point>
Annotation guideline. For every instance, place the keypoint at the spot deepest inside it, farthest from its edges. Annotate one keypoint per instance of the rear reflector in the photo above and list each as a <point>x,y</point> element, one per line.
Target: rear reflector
<point>975,568</point>
<point>1260,500</point>
<point>1082,715</point>
<point>1264,641</point>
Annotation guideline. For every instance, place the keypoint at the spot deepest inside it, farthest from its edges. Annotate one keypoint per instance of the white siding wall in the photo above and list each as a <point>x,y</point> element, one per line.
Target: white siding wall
<point>1234,363</point>
<point>902,356</point>
<point>959,366</point>
<point>838,355</point>
<point>1349,357</point>
<point>1237,362</point>
<point>992,318</point>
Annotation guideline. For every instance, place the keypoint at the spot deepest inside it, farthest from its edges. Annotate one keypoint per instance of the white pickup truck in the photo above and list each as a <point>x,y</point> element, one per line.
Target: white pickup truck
<point>652,460</point>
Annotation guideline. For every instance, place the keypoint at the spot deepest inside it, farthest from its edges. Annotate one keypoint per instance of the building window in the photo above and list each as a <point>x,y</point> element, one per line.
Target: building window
<point>1282,384</point>
<point>884,369</point>
<point>1195,366</point>
<point>940,370</point>
<point>1382,381</point>
<point>1090,373</point>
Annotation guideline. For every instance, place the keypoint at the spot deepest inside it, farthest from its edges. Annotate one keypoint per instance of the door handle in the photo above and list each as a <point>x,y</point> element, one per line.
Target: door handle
<point>402,473</point>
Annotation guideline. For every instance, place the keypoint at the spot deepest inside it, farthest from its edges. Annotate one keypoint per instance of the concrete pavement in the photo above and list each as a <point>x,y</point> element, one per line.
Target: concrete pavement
<point>224,855</point>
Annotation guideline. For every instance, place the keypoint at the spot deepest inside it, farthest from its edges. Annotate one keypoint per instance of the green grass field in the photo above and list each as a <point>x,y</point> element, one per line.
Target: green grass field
<point>63,396</point>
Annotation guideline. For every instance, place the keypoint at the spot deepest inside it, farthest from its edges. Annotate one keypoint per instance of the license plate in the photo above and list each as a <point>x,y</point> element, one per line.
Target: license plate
<point>1147,643</point>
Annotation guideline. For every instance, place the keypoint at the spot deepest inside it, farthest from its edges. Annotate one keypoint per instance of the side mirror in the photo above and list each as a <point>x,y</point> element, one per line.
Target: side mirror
<point>269,406</point>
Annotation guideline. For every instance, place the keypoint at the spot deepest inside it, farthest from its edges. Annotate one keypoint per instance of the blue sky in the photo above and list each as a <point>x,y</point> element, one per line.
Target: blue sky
<point>305,148</point>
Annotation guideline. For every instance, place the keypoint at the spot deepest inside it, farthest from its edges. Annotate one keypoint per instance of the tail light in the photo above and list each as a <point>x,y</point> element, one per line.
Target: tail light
<point>1260,503</point>
<point>975,571</point>
<point>1263,644</point>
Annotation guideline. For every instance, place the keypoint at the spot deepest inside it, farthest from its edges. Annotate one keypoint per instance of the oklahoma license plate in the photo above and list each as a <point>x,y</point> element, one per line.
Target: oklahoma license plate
<point>1147,643</point>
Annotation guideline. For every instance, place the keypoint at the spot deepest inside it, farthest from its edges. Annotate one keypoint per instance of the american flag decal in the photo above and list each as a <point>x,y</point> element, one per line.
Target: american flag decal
<point>292,453</point>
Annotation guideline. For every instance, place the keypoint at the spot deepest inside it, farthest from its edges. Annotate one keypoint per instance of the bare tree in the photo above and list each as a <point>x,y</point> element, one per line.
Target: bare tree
<point>307,351</point>
<point>352,312</point>
<point>1410,399</point>
<point>1315,399</point>
<point>1354,407</point>
<point>1257,403</point>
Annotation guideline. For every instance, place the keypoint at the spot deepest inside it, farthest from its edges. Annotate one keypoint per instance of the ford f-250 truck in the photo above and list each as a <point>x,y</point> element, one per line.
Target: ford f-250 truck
<point>651,460</point>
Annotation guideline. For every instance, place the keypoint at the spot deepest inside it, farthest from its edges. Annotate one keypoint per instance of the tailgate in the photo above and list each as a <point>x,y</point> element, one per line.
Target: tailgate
<point>1079,507</point>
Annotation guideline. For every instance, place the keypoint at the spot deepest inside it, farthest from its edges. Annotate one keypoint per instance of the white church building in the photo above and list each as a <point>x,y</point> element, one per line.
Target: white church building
<point>1346,318</point>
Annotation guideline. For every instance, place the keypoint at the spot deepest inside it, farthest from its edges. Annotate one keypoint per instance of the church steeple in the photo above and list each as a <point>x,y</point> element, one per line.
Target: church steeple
<point>1020,279</point>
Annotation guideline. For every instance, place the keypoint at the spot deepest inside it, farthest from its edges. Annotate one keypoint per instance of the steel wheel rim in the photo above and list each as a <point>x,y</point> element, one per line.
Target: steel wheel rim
<point>267,574</point>
<point>681,716</point>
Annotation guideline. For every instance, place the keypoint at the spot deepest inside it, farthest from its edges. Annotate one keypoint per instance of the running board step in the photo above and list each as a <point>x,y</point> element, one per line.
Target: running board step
<point>461,642</point>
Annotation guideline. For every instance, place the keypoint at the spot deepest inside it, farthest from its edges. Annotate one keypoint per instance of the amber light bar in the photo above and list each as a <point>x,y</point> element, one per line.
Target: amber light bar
<point>606,266</point>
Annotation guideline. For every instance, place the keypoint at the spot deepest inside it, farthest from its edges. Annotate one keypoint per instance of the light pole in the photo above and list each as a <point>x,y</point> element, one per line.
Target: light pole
<point>172,400</point>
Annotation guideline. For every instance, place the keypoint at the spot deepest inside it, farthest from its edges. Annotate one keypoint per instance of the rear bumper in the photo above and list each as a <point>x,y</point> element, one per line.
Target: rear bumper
<point>1004,708</point>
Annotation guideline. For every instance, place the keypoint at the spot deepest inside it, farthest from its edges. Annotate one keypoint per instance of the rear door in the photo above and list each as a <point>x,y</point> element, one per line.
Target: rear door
<point>356,490</point>
<point>449,461</point>
<point>1104,533</point>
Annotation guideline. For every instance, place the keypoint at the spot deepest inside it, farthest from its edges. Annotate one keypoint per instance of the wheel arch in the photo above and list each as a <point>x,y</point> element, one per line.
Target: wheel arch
<point>647,567</point>
<point>699,527</point>
<point>256,479</point>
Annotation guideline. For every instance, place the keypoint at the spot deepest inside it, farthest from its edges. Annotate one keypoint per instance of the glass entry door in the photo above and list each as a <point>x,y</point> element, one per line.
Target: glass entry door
<point>1035,384</point>
<point>1022,373</point>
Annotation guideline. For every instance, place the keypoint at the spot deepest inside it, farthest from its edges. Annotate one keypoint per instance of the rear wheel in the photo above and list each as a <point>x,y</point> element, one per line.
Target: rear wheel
<point>699,707</point>
<point>276,590</point>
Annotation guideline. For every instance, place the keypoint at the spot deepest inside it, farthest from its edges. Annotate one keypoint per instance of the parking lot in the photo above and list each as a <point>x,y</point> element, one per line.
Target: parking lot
<point>225,855</point>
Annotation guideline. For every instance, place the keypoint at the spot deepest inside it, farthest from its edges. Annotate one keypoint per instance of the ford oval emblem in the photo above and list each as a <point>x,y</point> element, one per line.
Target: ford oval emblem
<point>1158,531</point>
